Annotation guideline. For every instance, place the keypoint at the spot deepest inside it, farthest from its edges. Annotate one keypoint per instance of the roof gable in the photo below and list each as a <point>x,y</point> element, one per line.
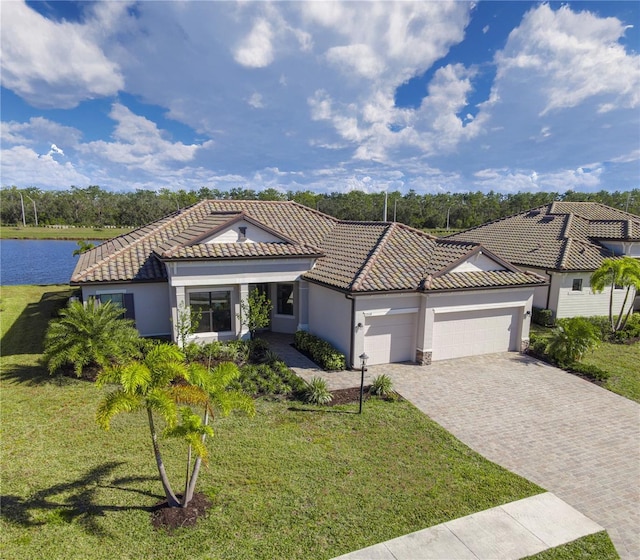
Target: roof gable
<point>558,236</point>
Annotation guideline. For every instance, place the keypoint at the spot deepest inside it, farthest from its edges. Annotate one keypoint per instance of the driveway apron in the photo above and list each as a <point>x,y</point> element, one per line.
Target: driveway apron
<point>570,436</point>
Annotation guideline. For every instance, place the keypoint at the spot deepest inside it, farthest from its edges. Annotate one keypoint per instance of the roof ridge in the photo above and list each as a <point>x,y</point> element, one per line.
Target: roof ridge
<point>566,253</point>
<point>111,256</point>
<point>567,226</point>
<point>372,257</point>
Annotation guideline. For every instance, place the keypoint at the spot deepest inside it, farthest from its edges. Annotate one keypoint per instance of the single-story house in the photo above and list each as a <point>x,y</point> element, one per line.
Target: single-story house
<point>565,242</point>
<point>385,289</point>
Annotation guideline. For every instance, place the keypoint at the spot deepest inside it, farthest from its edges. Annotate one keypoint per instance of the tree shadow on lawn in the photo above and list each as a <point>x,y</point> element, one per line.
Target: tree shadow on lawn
<point>80,506</point>
<point>32,375</point>
<point>26,335</point>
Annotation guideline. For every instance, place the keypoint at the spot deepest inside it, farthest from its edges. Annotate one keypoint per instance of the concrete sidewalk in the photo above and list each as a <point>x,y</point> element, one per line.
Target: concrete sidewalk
<point>510,531</point>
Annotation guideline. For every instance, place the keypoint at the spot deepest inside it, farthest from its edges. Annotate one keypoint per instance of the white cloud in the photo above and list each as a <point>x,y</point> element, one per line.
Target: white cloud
<point>140,144</point>
<point>511,181</point>
<point>22,166</point>
<point>570,57</point>
<point>256,50</point>
<point>54,64</point>
<point>356,58</point>
<point>38,130</point>
<point>255,101</point>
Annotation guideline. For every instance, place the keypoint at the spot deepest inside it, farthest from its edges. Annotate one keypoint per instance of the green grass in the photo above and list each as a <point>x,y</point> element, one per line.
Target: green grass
<point>295,481</point>
<point>598,546</point>
<point>621,361</point>
<point>19,232</point>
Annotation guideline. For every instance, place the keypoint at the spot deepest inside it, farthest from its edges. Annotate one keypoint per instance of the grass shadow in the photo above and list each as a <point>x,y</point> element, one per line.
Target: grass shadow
<point>26,334</point>
<point>327,410</point>
<point>30,375</point>
<point>80,506</point>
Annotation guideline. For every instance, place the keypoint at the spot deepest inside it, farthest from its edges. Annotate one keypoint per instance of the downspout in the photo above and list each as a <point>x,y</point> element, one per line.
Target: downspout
<point>549,288</point>
<point>353,329</point>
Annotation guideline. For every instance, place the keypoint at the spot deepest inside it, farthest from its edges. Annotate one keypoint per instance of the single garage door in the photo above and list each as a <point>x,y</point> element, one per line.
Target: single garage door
<point>469,333</point>
<point>390,338</point>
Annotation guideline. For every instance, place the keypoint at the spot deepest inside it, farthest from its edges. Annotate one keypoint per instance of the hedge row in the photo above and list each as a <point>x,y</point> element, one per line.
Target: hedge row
<point>320,351</point>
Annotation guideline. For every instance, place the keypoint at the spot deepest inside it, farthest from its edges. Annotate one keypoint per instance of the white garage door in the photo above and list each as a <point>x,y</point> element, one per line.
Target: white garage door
<point>390,338</point>
<point>470,333</point>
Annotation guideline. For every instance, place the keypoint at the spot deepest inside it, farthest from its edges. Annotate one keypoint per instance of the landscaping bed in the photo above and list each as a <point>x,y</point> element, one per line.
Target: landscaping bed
<point>295,481</point>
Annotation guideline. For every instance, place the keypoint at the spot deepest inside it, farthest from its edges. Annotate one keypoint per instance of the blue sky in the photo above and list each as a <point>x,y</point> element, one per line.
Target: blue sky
<point>326,96</point>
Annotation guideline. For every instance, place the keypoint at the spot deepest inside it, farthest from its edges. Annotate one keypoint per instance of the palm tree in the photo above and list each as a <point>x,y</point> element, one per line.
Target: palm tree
<point>89,334</point>
<point>159,384</point>
<point>623,272</point>
<point>83,247</point>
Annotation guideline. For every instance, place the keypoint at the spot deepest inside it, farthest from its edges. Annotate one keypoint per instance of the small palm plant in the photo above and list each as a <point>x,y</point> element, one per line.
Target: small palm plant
<point>382,386</point>
<point>571,340</point>
<point>317,392</point>
<point>163,385</point>
<point>90,334</point>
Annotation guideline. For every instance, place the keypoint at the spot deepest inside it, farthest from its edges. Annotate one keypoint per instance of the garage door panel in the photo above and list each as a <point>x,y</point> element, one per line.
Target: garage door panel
<point>390,338</point>
<point>472,333</point>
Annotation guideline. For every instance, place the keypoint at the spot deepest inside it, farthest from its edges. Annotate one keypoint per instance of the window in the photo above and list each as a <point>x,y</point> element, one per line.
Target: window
<point>119,300</point>
<point>577,285</point>
<point>215,308</point>
<point>285,299</point>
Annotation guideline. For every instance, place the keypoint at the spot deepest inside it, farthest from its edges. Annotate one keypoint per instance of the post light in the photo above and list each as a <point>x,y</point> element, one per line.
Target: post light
<point>363,360</point>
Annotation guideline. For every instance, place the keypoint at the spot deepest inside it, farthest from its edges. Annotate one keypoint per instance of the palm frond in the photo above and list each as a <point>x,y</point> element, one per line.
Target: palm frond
<point>115,403</point>
<point>189,394</point>
<point>160,401</point>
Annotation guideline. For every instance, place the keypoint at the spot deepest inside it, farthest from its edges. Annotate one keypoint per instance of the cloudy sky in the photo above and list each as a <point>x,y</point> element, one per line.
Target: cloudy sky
<point>327,96</point>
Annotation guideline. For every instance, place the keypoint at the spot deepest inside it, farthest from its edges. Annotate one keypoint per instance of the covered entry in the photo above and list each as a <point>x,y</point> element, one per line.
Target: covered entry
<point>391,337</point>
<point>473,332</point>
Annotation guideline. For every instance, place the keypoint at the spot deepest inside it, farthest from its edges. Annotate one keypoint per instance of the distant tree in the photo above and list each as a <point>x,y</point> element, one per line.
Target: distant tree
<point>83,247</point>
<point>623,272</point>
<point>163,384</point>
<point>92,334</point>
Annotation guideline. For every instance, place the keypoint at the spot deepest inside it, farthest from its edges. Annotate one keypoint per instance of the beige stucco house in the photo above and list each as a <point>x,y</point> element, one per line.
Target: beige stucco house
<point>564,242</point>
<point>393,292</point>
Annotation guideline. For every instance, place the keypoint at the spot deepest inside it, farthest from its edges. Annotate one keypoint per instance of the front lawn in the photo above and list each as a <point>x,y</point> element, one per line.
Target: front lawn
<point>295,481</point>
<point>621,361</point>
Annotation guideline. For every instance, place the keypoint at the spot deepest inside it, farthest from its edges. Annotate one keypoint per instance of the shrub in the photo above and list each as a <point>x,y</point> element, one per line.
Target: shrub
<point>590,371</point>
<point>542,317</point>
<point>320,351</point>
<point>602,325</point>
<point>632,328</point>
<point>317,392</point>
<point>571,340</point>
<point>269,379</point>
<point>382,385</point>
<point>258,347</point>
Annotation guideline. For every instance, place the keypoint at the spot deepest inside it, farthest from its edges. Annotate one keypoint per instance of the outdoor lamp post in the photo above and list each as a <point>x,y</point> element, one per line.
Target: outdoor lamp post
<point>363,360</point>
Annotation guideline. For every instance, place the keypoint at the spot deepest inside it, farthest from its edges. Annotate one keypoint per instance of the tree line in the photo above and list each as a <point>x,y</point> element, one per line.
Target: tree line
<point>97,207</point>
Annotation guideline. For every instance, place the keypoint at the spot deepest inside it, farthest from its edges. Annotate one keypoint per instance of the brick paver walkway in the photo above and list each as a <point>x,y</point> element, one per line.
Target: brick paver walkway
<point>570,436</point>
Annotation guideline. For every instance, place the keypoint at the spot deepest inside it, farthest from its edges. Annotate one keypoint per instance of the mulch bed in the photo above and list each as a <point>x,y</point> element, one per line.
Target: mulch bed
<point>347,396</point>
<point>172,518</point>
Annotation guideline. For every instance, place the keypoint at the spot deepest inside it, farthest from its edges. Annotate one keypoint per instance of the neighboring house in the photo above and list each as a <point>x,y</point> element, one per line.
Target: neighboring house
<point>393,292</point>
<point>564,242</point>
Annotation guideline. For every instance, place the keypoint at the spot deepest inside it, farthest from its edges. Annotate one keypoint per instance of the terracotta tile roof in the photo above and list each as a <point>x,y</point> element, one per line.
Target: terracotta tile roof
<point>558,236</point>
<point>240,250</point>
<point>480,279</point>
<point>352,256</point>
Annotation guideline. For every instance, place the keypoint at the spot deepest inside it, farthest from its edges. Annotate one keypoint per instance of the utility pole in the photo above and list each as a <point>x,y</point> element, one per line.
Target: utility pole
<point>386,194</point>
<point>395,207</point>
<point>24,223</point>
<point>35,211</point>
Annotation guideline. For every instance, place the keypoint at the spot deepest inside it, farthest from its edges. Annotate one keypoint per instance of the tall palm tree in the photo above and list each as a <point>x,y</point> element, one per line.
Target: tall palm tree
<point>89,334</point>
<point>163,384</point>
<point>623,272</point>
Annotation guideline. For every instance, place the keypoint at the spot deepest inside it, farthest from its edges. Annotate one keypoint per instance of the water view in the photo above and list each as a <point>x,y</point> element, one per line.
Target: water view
<point>30,261</point>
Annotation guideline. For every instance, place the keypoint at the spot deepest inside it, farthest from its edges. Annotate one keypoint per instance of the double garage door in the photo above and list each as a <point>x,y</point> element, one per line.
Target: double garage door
<point>469,333</point>
<point>392,338</point>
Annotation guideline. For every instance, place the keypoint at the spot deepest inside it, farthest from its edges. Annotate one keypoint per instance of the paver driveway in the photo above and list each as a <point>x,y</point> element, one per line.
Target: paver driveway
<point>570,436</point>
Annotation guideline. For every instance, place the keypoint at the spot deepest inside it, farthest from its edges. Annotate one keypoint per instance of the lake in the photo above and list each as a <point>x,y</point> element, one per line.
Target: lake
<point>36,261</point>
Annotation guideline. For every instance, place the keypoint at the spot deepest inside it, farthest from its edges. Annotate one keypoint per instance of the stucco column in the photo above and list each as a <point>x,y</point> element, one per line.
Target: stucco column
<point>303,305</point>
<point>179,302</point>
<point>425,333</point>
<point>241,329</point>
